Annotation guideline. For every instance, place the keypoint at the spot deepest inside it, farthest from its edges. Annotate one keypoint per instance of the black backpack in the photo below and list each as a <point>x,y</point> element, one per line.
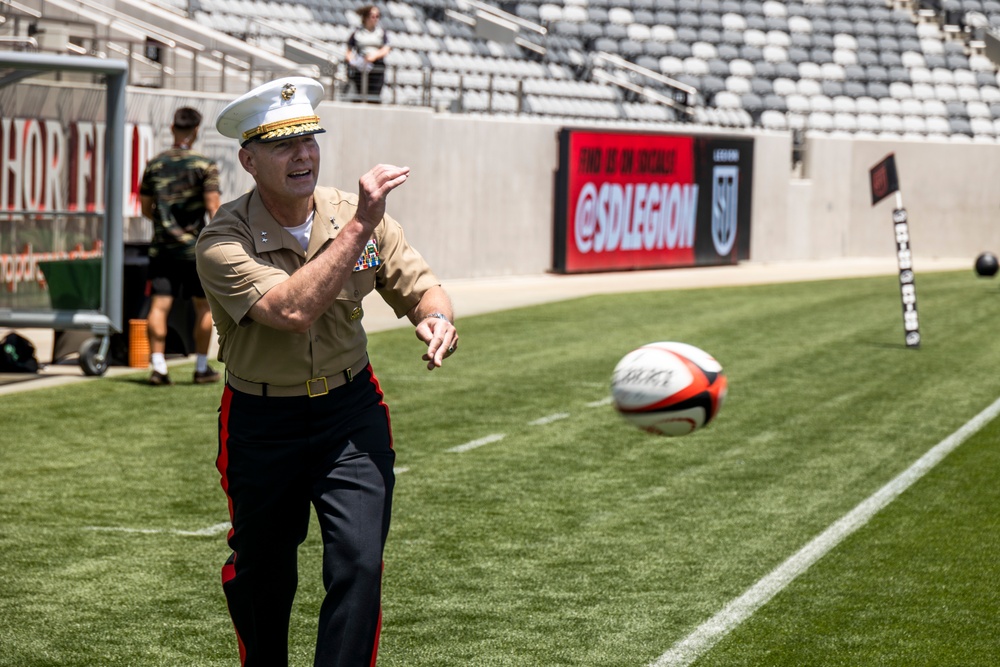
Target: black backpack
<point>17,355</point>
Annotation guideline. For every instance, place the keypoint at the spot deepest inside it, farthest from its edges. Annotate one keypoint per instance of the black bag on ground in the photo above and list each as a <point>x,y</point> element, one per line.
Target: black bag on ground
<point>17,355</point>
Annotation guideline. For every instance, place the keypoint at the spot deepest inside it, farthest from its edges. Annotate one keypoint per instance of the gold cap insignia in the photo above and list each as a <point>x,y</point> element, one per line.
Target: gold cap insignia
<point>287,91</point>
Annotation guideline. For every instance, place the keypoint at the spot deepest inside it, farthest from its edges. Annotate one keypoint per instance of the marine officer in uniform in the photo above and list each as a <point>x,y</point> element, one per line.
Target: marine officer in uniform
<point>303,422</point>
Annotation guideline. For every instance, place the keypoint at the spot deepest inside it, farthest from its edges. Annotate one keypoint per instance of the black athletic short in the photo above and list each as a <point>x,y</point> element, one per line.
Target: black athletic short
<point>176,278</point>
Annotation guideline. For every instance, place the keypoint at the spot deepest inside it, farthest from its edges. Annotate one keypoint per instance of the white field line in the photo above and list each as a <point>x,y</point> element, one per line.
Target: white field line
<point>548,419</point>
<point>709,633</point>
<point>201,532</point>
<point>494,437</point>
<point>541,421</point>
<point>400,471</point>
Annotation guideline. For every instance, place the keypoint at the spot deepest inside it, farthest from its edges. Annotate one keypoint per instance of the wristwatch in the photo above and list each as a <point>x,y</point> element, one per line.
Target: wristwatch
<point>440,316</point>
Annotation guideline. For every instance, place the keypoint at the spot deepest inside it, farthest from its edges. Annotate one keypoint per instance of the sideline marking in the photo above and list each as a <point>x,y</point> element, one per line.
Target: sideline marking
<point>495,437</point>
<point>709,633</point>
<point>542,421</point>
<point>201,532</point>
<point>607,400</point>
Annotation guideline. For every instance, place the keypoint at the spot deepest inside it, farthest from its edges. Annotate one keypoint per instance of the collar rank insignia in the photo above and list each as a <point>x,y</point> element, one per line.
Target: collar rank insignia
<point>263,237</point>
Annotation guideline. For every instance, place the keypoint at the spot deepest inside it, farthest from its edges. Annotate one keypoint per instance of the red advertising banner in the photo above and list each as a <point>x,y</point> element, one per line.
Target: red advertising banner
<point>636,201</point>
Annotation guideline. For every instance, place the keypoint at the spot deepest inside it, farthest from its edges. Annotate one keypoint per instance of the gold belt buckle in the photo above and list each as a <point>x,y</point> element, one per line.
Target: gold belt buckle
<point>309,387</point>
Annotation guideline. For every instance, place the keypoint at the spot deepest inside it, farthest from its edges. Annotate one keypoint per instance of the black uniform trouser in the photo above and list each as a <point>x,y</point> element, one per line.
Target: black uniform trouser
<point>278,455</point>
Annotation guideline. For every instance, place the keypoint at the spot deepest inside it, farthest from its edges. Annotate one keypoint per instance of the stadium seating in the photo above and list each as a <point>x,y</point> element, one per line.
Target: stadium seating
<point>888,68</point>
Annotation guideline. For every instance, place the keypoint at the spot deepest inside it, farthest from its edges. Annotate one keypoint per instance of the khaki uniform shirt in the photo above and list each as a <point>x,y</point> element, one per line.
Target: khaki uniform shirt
<point>244,252</point>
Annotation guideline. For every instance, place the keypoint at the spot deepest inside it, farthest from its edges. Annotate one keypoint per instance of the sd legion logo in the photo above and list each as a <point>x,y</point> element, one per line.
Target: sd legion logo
<point>725,197</point>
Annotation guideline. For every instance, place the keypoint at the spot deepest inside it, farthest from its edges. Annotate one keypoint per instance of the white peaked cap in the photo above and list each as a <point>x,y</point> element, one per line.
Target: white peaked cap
<point>285,107</point>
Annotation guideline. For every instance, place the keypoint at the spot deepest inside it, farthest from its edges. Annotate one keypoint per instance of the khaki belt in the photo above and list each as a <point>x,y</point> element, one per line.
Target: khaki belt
<point>312,388</point>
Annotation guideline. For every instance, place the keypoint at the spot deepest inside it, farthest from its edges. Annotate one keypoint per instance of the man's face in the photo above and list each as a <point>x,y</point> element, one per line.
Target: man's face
<point>284,169</point>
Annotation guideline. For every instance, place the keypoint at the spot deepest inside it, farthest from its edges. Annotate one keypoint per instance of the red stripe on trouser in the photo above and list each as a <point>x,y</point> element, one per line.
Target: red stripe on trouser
<point>222,464</point>
<point>378,627</point>
<point>381,401</point>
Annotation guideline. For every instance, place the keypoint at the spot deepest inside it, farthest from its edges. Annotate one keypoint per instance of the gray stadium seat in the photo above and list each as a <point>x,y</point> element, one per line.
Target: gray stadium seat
<point>960,126</point>
<point>786,70</point>
<point>751,53</point>
<point>890,59</point>
<point>616,32</point>
<point>867,58</point>
<point>822,26</point>
<point>866,43</point>
<point>710,35</point>
<point>606,44</point>
<point>821,56</point>
<point>687,34</point>
<point>649,62</point>
<point>643,16</point>
<point>761,86</point>
<point>730,52</point>
<point>877,90</point>
<point>776,23</point>
<point>797,55</point>
<point>877,73</point>
<point>713,21</point>
<point>775,103</point>
<point>957,110</point>
<point>688,19</point>
<point>957,61</point>
<point>801,40</point>
<point>752,103</point>
<point>718,67</point>
<point>935,61</point>
<point>766,70</point>
<point>837,12</point>
<point>855,89</point>
<point>679,49</point>
<point>630,49</point>
<point>664,17</point>
<point>832,88</point>
<point>654,49</point>
<point>711,85</point>
<point>822,41</point>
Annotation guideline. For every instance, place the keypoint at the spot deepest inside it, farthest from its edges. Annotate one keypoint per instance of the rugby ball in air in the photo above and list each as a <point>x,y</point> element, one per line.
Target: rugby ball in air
<point>668,388</point>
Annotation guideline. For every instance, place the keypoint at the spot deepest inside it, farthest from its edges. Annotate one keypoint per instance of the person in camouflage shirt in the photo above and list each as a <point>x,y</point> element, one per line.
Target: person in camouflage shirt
<point>179,193</point>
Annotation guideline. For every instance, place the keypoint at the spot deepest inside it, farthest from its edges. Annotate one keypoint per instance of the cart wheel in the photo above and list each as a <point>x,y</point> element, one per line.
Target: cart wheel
<point>92,360</point>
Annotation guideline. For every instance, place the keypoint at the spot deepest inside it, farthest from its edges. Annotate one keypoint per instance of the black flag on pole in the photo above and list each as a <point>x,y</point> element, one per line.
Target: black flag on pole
<point>883,178</point>
<point>885,182</point>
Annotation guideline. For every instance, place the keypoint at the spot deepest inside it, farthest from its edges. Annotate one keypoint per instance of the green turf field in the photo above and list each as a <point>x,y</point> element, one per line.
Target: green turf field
<point>570,538</point>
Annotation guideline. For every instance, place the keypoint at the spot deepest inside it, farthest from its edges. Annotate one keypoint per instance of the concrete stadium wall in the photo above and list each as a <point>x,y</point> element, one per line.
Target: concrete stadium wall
<point>479,201</point>
<point>948,189</point>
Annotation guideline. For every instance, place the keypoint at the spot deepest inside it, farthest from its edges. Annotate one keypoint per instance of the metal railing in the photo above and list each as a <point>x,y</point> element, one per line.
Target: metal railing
<point>682,97</point>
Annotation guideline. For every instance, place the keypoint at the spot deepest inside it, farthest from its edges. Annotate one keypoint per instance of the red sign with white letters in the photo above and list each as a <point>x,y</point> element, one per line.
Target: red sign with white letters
<point>636,201</point>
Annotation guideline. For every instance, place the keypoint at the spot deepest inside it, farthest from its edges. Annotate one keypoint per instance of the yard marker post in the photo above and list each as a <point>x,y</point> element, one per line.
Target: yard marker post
<point>884,182</point>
